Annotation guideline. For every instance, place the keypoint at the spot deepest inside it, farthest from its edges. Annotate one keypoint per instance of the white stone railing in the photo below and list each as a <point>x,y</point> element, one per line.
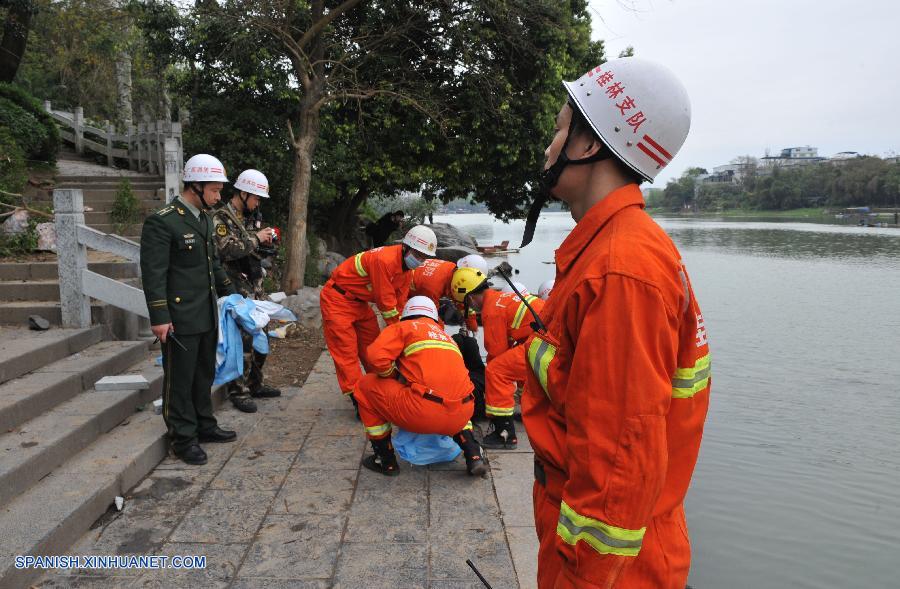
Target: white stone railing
<point>154,147</point>
<point>78,284</point>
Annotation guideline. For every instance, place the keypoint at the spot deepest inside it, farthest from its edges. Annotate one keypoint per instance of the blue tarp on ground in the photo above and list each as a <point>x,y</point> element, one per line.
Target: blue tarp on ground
<point>425,449</point>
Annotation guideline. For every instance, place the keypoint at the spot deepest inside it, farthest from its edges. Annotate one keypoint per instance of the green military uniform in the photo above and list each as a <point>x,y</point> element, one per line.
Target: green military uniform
<point>238,250</point>
<point>182,276</point>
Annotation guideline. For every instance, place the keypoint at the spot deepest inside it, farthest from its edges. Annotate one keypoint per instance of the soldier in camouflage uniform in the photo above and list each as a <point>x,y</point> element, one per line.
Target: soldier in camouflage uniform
<point>239,252</point>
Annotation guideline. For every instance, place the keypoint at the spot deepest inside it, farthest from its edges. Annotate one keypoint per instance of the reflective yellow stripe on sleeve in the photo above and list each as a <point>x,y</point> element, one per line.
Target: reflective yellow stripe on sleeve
<point>521,311</point>
<point>359,265</point>
<point>378,430</point>
<point>602,537</point>
<point>389,371</point>
<point>390,314</point>
<point>687,382</point>
<point>430,344</point>
<point>540,354</point>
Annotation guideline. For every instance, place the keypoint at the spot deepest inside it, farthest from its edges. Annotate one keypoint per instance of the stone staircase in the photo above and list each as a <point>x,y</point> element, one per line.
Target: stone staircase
<point>32,288</point>
<point>66,450</point>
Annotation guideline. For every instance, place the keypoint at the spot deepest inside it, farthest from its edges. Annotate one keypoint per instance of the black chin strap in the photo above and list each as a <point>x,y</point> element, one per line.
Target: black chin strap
<point>551,175</point>
<point>199,194</point>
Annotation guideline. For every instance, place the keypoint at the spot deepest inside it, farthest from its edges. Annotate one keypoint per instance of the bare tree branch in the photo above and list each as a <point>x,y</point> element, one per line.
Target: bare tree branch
<point>324,21</point>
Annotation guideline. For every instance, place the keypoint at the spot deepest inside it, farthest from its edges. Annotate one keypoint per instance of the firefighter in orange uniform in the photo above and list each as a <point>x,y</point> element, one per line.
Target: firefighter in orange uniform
<point>507,324</point>
<point>618,379</point>
<point>379,276</point>
<point>419,383</point>
<point>432,280</point>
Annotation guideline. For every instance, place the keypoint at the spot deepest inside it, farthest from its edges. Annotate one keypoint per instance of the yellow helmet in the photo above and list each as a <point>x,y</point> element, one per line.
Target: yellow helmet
<point>466,281</point>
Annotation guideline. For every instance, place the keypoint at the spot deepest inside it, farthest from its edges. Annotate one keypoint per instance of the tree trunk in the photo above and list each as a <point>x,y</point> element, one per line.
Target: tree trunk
<point>15,38</point>
<point>124,111</point>
<point>305,147</point>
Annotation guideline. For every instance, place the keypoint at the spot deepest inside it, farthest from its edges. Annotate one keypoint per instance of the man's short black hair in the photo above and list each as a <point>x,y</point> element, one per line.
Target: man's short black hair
<point>398,213</point>
<point>580,125</point>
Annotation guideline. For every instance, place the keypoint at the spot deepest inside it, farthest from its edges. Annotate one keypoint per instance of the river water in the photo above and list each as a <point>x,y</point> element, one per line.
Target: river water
<point>798,481</point>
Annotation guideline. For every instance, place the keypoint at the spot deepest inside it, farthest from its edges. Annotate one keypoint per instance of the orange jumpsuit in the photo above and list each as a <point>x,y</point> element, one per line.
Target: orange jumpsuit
<point>433,394</point>
<point>507,323</point>
<point>374,276</point>
<point>432,280</point>
<point>615,399</point>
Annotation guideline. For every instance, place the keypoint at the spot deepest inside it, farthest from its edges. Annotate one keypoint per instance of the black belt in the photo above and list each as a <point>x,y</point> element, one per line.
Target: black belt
<point>440,400</point>
<point>539,475</point>
<point>344,292</point>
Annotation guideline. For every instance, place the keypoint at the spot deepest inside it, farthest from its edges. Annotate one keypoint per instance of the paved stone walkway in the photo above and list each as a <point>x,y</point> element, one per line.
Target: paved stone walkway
<point>289,506</point>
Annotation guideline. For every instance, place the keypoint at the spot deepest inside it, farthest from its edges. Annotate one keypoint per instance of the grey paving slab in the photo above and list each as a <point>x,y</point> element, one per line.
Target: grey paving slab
<point>334,422</point>
<point>487,548</point>
<point>523,545</point>
<point>279,434</point>
<point>513,480</point>
<point>273,583</point>
<point>337,452</point>
<point>224,516</point>
<point>327,492</point>
<point>463,502</point>
<point>222,561</point>
<point>404,566</point>
<point>253,470</point>
<point>295,546</point>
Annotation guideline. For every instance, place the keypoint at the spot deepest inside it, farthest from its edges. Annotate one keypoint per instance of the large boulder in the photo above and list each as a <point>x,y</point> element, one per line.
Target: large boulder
<point>328,262</point>
<point>46,237</point>
<point>305,305</point>
<point>16,224</point>
<point>453,243</point>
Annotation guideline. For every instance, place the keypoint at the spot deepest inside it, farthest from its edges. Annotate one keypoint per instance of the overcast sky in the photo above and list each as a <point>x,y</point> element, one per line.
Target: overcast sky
<point>770,73</point>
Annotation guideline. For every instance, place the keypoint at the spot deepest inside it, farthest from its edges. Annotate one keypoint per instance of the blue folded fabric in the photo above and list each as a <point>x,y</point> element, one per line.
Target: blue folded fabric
<point>425,449</point>
<point>235,315</point>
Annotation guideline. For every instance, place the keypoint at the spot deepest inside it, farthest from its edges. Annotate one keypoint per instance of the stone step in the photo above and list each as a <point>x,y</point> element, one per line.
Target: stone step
<point>55,513</point>
<point>127,231</point>
<point>135,180</point>
<point>38,290</point>
<point>26,397</point>
<point>104,217</point>
<point>52,515</point>
<point>94,195</point>
<point>17,312</point>
<point>50,270</point>
<point>35,448</point>
<point>22,350</point>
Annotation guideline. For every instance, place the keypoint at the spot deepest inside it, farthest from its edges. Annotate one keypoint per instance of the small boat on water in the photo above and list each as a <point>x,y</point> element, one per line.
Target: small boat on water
<point>502,248</point>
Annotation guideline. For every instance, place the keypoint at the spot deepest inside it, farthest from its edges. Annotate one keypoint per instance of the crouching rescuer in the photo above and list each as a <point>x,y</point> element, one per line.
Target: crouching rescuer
<point>420,383</point>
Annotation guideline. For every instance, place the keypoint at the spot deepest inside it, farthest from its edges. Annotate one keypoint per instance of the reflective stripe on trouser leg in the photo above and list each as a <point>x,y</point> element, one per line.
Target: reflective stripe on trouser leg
<point>376,432</point>
<point>500,378</point>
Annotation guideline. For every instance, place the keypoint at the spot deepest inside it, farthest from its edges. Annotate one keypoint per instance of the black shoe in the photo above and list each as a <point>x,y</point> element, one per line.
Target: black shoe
<point>472,451</point>
<point>245,404</point>
<point>383,460</point>
<point>217,435</point>
<point>266,391</point>
<point>193,454</point>
<point>502,435</point>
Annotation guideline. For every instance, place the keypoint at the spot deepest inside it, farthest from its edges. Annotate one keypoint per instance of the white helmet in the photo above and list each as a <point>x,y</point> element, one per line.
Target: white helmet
<point>204,168</point>
<point>638,108</point>
<point>473,261</point>
<point>505,287</point>
<point>545,288</point>
<point>253,182</point>
<point>422,239</point>
<point>420,306</point>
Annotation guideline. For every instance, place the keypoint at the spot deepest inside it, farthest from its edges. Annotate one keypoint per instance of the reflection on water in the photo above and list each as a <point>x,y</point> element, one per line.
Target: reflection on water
<point>798,482</point>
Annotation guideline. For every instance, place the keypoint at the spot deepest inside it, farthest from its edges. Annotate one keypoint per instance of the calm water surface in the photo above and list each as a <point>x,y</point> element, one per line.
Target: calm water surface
<point>798,482</point>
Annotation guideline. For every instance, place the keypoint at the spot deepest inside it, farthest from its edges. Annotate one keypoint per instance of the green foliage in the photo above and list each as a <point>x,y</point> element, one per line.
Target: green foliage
<point>19,244</point>
<point>48,142</point>
<point>126,209</point>
<point>463,104</point>
<point>13,172</point>
<point>865,181</point>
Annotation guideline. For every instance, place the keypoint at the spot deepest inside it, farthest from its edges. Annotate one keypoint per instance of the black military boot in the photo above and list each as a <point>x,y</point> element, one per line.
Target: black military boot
<point>266,391</point>
<point>193,454</point>
<point>217,435</point>
<point>243,403</point>
<point>472,451</point>
<point>502,435</point>
<point>355,405</point>
<point>384,460</point>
